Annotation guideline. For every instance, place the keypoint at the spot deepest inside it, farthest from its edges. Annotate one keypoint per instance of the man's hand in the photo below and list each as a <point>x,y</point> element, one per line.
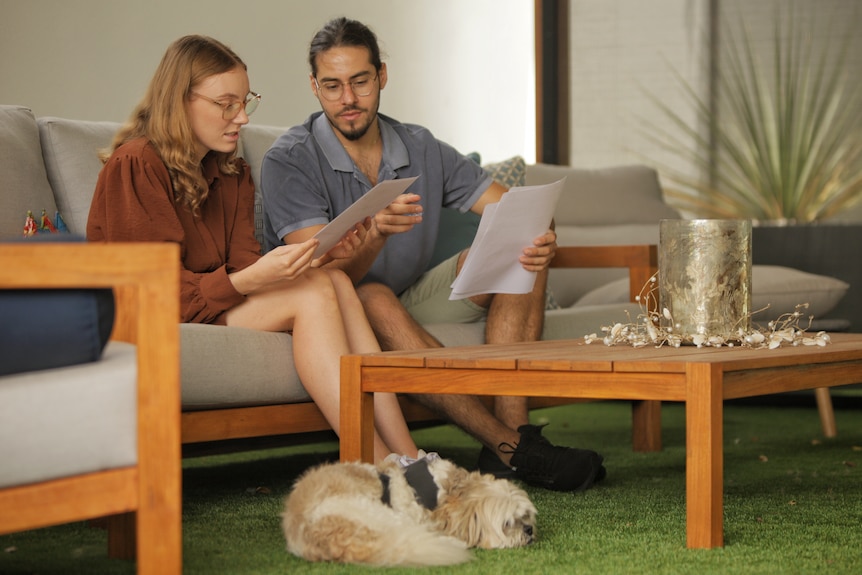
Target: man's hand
<point>398,217</point>
<point>350,243</point>
<point>538,257</point>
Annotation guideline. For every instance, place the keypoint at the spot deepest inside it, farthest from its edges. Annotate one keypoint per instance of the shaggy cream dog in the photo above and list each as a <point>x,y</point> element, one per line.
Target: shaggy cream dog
<point>427,513</point>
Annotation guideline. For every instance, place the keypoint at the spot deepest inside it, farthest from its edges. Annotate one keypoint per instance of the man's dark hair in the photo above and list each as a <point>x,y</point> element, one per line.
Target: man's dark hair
<point>343,32</point>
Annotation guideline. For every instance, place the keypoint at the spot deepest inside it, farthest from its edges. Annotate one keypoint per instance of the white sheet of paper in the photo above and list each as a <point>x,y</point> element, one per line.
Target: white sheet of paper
<point>506,228</point>
<point>369,204</point>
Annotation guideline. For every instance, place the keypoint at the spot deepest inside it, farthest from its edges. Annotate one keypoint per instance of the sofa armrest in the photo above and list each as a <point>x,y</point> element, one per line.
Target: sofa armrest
<point>641,261</point>
<point>145,277</point>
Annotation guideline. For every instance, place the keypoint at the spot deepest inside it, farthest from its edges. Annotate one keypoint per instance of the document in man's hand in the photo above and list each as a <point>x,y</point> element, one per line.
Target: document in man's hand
<point>506,228</point>
<point>369,204</point>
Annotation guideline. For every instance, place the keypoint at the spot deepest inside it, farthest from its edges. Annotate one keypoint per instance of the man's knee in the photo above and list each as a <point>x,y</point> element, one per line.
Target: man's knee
<point>373,292</point>
<point>377,296</point>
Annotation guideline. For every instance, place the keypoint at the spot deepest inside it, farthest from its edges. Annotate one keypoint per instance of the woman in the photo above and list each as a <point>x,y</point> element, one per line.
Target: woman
<point>172,175</point>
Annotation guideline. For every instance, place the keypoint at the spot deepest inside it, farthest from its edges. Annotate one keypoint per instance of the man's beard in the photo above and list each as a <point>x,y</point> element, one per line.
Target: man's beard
<point>356,133</point>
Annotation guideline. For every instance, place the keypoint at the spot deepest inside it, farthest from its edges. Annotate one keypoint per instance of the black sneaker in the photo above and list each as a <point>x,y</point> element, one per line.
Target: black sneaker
<point>537,462</point>
<point>493,465</point>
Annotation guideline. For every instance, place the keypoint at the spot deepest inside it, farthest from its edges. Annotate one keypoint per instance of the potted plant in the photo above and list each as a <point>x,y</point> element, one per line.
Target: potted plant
<point>782,145</point>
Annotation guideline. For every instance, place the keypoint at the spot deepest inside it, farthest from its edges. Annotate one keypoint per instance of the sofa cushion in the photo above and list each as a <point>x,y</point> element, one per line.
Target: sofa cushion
<point>576,322</point>
<point>510,173</point>
<point>780,288</point>
<point>213,377</point>
<point>568,323</point>
<point>569,285</point>
<point>608,196</point>
<point>71,151</point>
<point>254,143</point>
<point>48,328</point>
<point>25,184</point>
<point>72,420</point>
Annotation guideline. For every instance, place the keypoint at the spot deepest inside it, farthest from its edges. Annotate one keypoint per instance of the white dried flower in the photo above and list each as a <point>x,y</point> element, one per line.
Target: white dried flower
<point>652,331</point>
<point>648,329</point>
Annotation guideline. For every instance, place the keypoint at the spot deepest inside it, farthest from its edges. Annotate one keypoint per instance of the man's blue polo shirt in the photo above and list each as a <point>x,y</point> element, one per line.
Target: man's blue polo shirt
<point>307,178</point>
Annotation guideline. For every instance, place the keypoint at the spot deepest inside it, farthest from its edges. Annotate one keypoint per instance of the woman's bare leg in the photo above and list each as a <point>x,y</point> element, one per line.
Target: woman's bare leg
<point>388,417</point>
<point>309,307</point>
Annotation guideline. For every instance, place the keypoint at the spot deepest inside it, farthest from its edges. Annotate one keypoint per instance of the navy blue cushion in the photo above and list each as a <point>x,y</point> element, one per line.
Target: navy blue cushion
<point>41,329</point>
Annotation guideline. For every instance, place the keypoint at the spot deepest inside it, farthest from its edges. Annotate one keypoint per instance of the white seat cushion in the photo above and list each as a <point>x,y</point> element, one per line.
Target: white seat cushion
<point>62,422</point>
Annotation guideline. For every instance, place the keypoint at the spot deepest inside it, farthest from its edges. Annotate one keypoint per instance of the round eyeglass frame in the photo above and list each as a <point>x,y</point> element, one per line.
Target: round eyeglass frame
<point>230,110</point>
<point>352,84</point>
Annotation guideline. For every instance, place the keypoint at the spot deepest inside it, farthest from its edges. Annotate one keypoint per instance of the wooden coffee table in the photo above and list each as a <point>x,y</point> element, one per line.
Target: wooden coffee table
<point>702,378</point>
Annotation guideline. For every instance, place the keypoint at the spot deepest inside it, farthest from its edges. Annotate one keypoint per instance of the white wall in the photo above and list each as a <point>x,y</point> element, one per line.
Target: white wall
<point>463,68</point>
<point>620,50</point>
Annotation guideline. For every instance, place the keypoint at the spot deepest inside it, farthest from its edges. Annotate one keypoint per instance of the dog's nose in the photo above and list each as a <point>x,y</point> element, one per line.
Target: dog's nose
<point>528,530</point>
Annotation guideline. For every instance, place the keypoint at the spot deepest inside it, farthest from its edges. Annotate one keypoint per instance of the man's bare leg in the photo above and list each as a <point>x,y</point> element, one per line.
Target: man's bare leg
<point>508,451</point>
<point>520,318</point>
<point>513,319</point>
<point>395,328</point>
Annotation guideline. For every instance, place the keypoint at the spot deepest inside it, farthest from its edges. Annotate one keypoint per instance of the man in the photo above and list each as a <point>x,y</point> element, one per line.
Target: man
<point>316,170</point>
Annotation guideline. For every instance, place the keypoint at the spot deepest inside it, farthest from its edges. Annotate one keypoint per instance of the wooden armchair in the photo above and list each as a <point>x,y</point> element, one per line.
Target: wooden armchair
<point>142,501</point>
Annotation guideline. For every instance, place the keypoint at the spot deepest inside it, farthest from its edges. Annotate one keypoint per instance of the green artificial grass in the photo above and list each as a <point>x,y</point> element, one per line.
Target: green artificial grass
<point>793,504</point>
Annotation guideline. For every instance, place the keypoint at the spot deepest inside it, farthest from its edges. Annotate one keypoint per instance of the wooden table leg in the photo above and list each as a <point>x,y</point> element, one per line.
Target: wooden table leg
<point>827,414</point>
<point>704,456</point>
<point>646,425</point>
<point>356,431</point>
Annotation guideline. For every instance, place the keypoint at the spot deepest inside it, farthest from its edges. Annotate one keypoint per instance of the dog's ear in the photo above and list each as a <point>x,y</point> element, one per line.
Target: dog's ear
<point>460,516</point>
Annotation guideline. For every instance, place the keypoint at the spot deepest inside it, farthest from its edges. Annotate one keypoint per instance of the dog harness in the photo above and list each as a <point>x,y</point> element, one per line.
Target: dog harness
<point>419,479</point>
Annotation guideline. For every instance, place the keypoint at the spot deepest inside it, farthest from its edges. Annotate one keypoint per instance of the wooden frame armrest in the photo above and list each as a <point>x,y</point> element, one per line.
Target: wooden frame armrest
<point>145,279</point>
<point>641,261</point>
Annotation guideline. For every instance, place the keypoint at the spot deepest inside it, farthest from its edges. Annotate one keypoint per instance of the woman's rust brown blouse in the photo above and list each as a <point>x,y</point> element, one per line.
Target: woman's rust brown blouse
<point>134,201</point>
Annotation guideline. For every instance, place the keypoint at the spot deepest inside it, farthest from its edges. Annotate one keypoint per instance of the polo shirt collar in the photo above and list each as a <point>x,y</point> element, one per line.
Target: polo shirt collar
<point>394,151</point>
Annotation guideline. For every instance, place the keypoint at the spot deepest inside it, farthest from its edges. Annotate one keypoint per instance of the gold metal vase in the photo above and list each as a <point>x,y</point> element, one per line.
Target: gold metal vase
<point>705,278</point>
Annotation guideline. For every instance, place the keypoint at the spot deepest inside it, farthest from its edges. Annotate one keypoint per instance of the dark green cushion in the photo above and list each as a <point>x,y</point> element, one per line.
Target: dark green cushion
<point>457,230</point>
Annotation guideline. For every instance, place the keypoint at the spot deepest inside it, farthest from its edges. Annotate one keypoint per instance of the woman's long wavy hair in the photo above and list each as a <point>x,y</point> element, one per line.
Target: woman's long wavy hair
<point>162,116</point>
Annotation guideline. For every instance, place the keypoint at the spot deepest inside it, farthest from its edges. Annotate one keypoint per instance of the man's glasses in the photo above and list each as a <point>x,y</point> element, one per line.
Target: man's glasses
<point>230,110</point>
<point>332,90</point>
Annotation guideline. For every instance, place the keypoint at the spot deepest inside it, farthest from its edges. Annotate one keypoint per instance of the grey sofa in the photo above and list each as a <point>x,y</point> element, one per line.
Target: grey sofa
<point>240,383</point>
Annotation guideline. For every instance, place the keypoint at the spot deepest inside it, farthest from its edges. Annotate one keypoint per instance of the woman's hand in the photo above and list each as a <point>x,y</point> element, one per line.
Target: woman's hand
<point>287,262</point>
<point>283,263</point>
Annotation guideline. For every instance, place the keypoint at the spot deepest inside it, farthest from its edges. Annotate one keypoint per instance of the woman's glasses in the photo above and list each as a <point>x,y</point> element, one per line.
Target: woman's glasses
<point>230,110</point>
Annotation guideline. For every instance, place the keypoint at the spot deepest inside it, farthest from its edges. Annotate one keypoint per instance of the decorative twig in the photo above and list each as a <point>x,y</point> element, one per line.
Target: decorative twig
<point>647,329</point>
